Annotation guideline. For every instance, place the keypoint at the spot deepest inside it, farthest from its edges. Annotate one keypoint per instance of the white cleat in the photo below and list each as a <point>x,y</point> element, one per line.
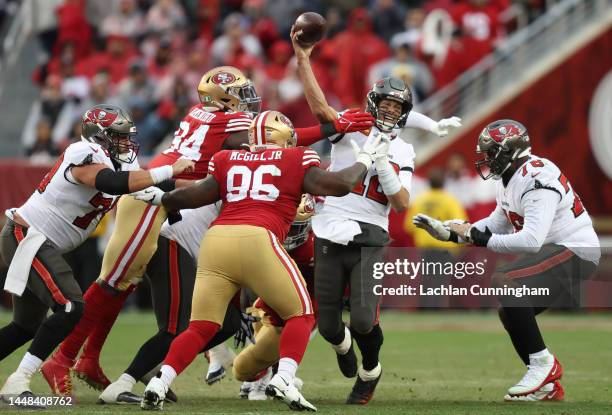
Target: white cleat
<point>541,371</point>
<point>245,388</point>
<point>16,384</point>
<point>258,387</point>
<point>119,392</point>
<point>221,358</point>
<point>284,390</point>
<point>154,395</point>
<point>298,383</point>
<point>550,392</point>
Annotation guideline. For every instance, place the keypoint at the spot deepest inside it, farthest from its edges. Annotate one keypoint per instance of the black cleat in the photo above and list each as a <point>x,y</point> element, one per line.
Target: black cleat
<point>348,362</point>
<point>363,391</point>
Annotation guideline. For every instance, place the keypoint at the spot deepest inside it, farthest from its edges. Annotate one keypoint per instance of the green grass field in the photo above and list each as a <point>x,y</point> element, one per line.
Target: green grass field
<point>433,363</point>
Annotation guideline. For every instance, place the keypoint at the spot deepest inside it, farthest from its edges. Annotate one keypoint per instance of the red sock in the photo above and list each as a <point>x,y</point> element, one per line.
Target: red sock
<point>294,337</point>
<point>96,303</point>
<point>98,335</point>
<point>189,343</point>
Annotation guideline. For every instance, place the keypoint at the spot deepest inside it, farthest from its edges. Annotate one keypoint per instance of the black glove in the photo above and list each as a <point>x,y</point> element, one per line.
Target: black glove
<point>245,331</point>
<point>480,238</point>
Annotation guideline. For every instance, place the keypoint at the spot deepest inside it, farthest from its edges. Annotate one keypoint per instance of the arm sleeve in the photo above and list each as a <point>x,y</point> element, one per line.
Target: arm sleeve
<point>497,222</point>
<point>310,158</point>
<point>420,121</point>
<point>240,123</point>
<point>540,207</point>
<point>308,135</point>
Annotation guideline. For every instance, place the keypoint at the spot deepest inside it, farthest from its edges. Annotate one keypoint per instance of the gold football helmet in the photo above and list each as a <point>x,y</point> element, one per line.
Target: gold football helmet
<point>298,232</point>
<point>227,88</point>
<point>271,128</point>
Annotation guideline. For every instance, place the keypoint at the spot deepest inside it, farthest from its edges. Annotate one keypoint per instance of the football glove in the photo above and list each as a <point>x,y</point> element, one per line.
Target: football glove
<point>444,124</point>
<point>477,237</point>
<point>245,331</point>
<point>353,120</point>
<point>433,226</point>
<point>152,195</point>
<point>371,149</point>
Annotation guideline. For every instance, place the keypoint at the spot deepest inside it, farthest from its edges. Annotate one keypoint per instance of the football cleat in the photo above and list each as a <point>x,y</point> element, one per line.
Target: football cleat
<point>17,384</point>
<point>348,362</point>
<point>258,387</point>
<point>220,358</point>
<point>541,371</point>
<point>119,392</point>
<point>57,375</point>
<point>298,383</point>
<point>363,391</point>
<point>550,392</point>
<point>245,388</point>
<point>285,391</point>
<point>89,371</point>
<point>154,395</point>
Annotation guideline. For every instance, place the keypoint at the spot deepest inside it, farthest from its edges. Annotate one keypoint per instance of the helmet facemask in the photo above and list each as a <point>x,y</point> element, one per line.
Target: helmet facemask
<point>249,100</point>
<point>391,89</point>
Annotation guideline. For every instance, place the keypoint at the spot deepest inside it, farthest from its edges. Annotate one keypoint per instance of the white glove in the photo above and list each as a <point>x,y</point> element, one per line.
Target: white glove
<point>152,195</point>
<point>380,157</point>
<point>433,226</point>
<point>370,150</point>
<point>443,125</point>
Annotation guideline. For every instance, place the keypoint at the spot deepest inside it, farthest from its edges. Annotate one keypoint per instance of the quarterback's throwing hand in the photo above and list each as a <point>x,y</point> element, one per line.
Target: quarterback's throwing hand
<point>433,226</point>
<point>370,151</point>
<point>152,195</point>
<point>446,123</point>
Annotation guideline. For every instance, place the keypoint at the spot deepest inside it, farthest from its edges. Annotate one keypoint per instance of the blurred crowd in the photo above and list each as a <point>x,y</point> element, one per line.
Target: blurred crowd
<point>149,55</point>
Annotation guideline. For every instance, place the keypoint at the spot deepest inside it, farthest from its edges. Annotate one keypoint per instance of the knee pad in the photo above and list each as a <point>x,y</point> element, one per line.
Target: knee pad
<point>361,324</point>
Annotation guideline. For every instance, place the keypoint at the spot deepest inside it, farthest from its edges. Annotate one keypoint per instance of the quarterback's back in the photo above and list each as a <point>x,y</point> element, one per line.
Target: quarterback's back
<point>261,188</point>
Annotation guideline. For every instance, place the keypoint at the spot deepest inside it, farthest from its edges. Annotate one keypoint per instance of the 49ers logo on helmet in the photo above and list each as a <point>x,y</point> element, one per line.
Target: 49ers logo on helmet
<point>503,132</point>
<point>223,78</point>
<point>101,117</point>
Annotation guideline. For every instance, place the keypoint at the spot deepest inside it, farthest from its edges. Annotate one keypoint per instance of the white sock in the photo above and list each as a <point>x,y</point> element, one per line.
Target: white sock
<point>29,364</point>
<point>345,345</point>
<point>369,374</point>
<point>168,374</point>
<point>287,368</point>
<point>218,352</point>
<point>540,354</point>
<point>127,379</point>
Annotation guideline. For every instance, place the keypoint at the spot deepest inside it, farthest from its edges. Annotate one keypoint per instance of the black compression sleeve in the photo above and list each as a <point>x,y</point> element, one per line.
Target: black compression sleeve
<point>167,185</point>
<point>113,182</point>
<point>328,129</point>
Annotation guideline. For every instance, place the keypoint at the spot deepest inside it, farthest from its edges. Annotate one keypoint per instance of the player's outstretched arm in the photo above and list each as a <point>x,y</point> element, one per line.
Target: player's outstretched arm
<point>312,91</point>
<point>204,192</point>
<point>439,128</point>
<point>349,121</point>
<point>321,182</point>
<point>104,179</point>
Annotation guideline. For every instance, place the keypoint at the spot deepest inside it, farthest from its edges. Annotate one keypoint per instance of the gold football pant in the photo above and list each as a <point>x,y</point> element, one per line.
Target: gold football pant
<point>232,256</point>
<point>259,356</point>
<point>133,242</point>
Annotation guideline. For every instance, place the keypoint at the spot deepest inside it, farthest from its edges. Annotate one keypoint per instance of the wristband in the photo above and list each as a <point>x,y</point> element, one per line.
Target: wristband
<point>388,180</point>
<point>328,129</point>
<point>160,174</point>
<point>365,159</point>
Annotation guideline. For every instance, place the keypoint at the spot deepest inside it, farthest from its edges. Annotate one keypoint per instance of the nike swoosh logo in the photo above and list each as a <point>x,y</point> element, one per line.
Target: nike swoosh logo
<point>95,150</point>
<point>554,371</point>
<point>534,175</point>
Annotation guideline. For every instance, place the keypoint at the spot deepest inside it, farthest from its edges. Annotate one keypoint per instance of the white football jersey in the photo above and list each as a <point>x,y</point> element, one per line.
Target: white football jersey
<point>62,209</point>
<point>367,202</point>
<point>571,226</point>
<point>189,231</point>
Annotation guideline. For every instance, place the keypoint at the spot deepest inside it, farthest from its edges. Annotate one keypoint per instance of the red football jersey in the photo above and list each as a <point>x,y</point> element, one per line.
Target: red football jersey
<point>261,189</point>
<point>200,135</point>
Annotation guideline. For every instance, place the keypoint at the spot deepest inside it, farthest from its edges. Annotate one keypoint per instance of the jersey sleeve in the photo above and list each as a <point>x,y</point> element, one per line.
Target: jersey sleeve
<point>310,158</point>
<point>541,174</point>
<point>406,167</point>
<point>240,122</point>
<point>212,166</point>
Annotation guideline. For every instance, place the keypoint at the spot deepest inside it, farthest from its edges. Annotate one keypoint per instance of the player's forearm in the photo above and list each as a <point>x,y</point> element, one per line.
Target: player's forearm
<point>400,200</point>
<point>313,93</point>
<point>204,192</point>
<point>346,180</point>
<point>307,136</point>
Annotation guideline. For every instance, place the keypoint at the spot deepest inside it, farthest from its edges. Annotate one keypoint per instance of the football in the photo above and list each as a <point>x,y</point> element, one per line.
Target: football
<point>310,28</point>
